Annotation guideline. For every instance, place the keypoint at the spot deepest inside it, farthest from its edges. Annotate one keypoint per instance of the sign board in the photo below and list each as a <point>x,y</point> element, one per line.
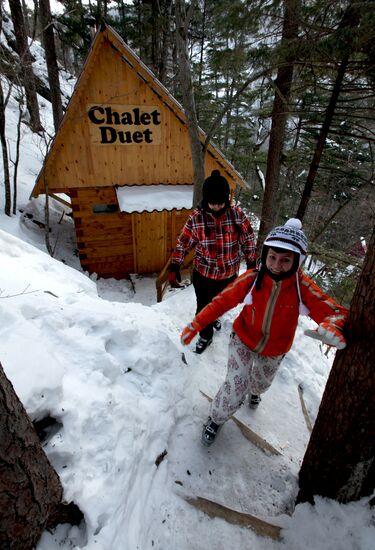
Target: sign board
<point>124,124</point>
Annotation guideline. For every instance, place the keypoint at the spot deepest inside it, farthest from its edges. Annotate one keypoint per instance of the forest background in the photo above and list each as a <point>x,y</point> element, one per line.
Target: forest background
<point>284,88</point>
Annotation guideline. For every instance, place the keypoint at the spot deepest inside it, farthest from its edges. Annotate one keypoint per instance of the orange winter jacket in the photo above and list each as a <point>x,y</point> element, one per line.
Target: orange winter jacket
<point>267,325</point>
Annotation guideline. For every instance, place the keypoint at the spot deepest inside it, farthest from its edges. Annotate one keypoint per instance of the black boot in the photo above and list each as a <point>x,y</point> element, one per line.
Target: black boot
<point>254,401</point>
<point>217,324</point>
<point>210,431</point>
<point>202,344</point>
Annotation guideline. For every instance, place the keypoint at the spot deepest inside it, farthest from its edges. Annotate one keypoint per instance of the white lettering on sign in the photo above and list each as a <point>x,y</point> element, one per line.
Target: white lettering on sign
<point>124,124</point>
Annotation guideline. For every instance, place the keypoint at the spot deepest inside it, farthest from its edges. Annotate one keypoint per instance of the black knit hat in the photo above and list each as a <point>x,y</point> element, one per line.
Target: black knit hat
<point>215,189</point>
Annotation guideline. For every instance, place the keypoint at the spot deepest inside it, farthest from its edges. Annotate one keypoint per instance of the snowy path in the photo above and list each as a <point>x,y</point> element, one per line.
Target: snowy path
<point>233,471</point>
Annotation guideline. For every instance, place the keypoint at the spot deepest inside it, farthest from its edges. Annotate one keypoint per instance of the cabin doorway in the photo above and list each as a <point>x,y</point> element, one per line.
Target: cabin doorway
<point>149,241</point>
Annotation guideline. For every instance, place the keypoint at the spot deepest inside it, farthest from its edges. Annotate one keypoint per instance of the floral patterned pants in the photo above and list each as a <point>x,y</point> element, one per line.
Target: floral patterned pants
<point>247,372</point>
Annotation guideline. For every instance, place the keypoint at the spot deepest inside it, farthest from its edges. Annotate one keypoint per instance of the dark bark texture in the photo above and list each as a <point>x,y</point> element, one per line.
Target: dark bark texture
<point>26,64</point>
<point>280,111</point>
<point>52,67</point>
<point>189,101</point>
<point>30,489</point>
<point>340,459</point>
<point>4,149</point>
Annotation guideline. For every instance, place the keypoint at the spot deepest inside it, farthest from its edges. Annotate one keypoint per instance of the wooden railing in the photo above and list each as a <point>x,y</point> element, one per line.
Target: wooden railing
<point>162,280</point>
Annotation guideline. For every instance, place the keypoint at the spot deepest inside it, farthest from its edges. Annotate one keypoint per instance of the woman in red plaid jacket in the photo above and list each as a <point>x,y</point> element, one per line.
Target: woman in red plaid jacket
<point>217,231</point>
<point>273,297</point>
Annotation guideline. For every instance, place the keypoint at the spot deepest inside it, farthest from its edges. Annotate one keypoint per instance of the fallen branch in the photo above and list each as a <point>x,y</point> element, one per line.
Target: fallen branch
<point>23,292</point>
<point>216,510</point>
<point>304,409</point>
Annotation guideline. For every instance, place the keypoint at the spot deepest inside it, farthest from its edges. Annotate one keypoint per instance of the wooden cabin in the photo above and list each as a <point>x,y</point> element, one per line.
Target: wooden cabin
<point>123,132</point>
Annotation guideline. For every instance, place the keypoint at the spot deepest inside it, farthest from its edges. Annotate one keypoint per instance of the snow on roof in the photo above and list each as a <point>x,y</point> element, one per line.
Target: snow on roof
<point>140,198</point>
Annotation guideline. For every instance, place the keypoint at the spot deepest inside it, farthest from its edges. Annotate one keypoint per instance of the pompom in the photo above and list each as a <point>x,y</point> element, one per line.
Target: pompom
<point>294,222</point>
<point>215,173</point>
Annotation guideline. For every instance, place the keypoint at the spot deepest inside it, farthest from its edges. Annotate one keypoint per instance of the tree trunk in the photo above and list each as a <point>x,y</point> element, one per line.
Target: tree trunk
<point>24,10</point>
<point>8,200</point>
<point>340,459</point>
<point>283,84</point>
<point>188,100</point>
<point>314,166</point>
<point>52,68</point>
<point>165,41</point>
<point>17,158</point>
<point>35,19</point>
<point>30,489</point>
<point>26,65</point>
<point>121,10</point>
<point>156,30</point>
<point>201,45</point>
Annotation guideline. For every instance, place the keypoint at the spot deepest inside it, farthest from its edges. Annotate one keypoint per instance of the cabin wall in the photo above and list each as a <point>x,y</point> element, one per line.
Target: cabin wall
<point>114,244</point>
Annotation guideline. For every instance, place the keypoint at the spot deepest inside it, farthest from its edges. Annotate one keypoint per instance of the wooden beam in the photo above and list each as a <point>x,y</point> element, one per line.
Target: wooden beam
<point>304,409</point>
<point>215,510</point>
<point>59,199</point>
<point>162,280</point>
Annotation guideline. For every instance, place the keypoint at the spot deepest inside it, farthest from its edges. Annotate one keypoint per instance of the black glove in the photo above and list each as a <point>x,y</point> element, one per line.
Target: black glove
<point>174,275</point>
<point>251,264</point>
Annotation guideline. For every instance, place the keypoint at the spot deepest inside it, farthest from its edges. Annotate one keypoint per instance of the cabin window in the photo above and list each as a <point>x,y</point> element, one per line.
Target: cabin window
<point>105,208</point>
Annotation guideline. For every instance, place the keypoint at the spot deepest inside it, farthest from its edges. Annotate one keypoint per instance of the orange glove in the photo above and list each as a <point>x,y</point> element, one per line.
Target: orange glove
<point>329,334</point>
<point>189,333</point>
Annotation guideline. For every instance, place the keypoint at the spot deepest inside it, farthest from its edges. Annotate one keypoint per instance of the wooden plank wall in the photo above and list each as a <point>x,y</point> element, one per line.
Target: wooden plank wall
<point>104,241</point>
<point>116,244</point>
<point>154,237</point>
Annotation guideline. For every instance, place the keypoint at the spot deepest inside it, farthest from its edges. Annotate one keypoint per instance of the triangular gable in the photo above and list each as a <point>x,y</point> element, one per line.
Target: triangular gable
<point>122,127</point>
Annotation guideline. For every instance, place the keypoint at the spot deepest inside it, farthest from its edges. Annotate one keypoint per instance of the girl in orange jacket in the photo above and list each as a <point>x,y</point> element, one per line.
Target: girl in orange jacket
<point>263,332</point>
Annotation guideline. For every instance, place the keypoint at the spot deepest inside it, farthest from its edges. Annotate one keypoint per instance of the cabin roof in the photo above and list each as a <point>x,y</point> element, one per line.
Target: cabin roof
<point>145,75</point>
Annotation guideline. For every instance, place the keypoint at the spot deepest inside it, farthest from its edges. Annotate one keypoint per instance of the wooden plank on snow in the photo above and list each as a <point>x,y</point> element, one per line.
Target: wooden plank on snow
<point>304,408</point>
<point>216,510</point>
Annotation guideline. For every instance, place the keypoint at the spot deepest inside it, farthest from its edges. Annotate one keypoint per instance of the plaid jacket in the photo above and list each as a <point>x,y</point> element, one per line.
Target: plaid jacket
<point>217,242</point>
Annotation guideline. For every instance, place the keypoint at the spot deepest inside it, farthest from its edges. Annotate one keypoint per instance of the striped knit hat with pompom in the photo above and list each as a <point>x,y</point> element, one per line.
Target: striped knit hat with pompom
<point>288,237</point>
<point>284,237</point>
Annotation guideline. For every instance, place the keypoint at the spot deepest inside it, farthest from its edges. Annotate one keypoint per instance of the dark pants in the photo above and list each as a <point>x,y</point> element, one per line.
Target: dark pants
<point>205,291</point>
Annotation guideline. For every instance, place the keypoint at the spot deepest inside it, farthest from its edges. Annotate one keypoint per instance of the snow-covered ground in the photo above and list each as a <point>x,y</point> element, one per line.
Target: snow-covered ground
<point>104,360</point>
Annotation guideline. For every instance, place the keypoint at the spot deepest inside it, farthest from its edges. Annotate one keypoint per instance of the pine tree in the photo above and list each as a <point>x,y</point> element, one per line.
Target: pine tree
<point>30,490</point>
<point>182,24</point>
<point>283,86</point>
<point>52,67</point>
<point>4,149</point>
<point>351,20</point>
<point>339,461</point>
<point>26,64</point>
